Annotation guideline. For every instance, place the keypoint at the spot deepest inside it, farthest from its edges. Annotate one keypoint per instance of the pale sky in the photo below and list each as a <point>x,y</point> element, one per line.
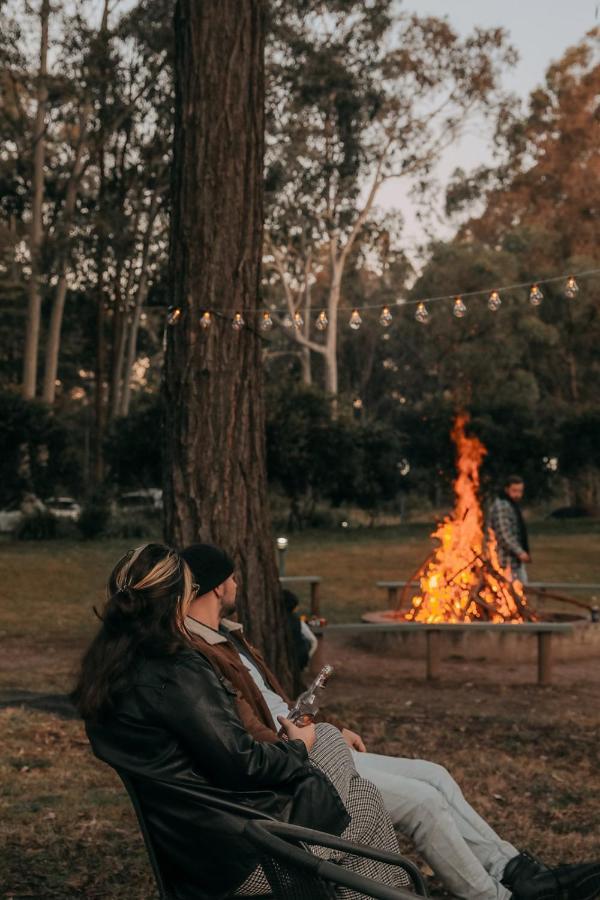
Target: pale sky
<point>541,30</point>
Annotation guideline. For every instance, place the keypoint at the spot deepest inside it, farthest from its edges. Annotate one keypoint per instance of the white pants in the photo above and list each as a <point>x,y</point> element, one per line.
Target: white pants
<point>427,805</point>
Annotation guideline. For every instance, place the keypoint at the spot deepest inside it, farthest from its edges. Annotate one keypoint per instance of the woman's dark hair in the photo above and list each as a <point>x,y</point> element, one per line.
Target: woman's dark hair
<point>148,593</point>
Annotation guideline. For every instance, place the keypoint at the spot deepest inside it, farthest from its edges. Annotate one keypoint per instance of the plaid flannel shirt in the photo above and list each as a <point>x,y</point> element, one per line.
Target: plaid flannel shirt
<point>504,523</point>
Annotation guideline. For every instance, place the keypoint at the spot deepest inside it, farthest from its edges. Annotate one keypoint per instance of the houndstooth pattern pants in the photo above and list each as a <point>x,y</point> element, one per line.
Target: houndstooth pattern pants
<point>370,822</point>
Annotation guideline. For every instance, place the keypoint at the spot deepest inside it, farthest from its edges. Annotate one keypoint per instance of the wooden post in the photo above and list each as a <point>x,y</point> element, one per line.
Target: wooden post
<point>315,598</point>
<point>392,597</point>
<point>433,655</point>
<point>544,657</point>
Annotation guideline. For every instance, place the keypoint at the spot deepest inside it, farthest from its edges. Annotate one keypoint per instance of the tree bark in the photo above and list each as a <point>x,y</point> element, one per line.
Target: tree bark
<point>58,305</point>
<point>215,471</point>
<point>100,361</point>
<point>34,306</point>
<point>140,299</point>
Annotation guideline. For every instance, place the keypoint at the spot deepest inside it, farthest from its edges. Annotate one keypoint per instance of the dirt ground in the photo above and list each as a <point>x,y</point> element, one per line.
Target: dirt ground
<point>526,756</point>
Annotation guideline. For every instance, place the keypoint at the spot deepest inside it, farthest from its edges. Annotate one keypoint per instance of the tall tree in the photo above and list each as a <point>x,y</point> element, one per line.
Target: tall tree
<point>359,94</point>
<point>32,334</point>
<point>215,473</point>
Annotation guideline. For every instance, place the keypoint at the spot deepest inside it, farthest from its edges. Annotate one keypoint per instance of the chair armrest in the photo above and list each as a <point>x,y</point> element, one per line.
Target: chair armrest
<point>311,836</point>
<point>273,838</point>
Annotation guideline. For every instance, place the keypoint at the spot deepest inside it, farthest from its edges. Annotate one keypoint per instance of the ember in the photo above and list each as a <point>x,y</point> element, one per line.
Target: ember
<point>461,581</point>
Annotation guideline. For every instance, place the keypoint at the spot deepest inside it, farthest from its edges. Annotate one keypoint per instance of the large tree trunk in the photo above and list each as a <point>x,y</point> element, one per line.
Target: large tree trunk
<point>34,306</point>
<point>215,473</point>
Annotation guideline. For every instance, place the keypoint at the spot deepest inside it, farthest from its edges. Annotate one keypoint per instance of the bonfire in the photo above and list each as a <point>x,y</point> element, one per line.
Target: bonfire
<point>462,580</point>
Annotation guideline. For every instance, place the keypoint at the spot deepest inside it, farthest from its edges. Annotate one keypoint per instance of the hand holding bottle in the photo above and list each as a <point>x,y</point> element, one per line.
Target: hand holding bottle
<point>292,732</point>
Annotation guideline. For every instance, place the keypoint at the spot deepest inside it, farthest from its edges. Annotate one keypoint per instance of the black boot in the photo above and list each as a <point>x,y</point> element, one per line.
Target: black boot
<point>575,882</point>
<point>522,867</point>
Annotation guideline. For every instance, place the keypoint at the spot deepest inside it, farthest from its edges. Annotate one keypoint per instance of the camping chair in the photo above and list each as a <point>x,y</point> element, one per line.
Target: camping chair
<point>292,871</point>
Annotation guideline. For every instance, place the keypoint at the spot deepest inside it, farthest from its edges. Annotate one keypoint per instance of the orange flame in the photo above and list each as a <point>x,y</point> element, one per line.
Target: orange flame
<point>462,580</point>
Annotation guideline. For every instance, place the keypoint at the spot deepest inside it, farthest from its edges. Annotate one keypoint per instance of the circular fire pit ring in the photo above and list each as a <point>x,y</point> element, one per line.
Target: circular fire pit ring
<point>559,636</point>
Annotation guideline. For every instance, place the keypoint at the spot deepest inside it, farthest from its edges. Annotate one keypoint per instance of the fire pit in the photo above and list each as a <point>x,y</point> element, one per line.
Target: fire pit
<point>463,599</point>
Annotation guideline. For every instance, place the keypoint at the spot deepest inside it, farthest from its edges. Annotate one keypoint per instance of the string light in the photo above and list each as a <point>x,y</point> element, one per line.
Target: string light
<point>535,296</point>
<point>459,310</point>
<point>267,322</point>
<point>321,322</point>
<point>355,320</point>
<point>386,317</point>
<point>494,301</point>
<point>422,314</point>
<point>571,288</point>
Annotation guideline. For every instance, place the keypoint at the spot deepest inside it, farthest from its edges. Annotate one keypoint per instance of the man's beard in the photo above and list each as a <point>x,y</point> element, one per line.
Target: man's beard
<point>228,608</point>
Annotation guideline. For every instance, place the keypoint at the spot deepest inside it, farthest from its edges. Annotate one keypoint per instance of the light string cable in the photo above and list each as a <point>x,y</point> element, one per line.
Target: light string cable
<point>267,321</point>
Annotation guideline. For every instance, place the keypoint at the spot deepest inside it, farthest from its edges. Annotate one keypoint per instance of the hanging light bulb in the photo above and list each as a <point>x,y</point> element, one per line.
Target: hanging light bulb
<point>355,320</point>
<point>287,321</point>
<point>266,322</point>
<point>205,320</point>
<point>535,296</point>
<point>459,310</point>
<point>321,322</point>
<point>385,319</point>
<point>422,314</point>
<point>238,322</point>
<point>173,315</point>
<point>571,287</point>
<point>298,320</point>
<point>494,301</point>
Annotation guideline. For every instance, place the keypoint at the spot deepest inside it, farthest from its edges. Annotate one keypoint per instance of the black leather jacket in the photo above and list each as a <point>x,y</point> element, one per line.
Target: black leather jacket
<point>176,731</point>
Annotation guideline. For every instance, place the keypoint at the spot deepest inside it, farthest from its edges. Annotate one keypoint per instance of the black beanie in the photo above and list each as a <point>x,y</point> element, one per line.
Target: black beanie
<point>210,566</point>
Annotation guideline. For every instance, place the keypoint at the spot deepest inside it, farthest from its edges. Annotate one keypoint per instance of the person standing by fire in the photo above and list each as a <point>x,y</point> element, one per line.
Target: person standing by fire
<point>507,522</point>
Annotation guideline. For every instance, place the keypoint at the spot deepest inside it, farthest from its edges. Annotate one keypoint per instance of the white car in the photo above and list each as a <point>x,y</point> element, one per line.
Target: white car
<point>140,501</point>
<point>10,518</point>
<point>64,508</point>
<point>12,515</point>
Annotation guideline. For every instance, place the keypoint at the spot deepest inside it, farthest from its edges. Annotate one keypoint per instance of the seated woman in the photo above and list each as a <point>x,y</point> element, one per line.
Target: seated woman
<point>157,710</point>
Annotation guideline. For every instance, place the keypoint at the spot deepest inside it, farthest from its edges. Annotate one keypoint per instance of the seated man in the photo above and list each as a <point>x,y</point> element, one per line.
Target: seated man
<point>424,801</point>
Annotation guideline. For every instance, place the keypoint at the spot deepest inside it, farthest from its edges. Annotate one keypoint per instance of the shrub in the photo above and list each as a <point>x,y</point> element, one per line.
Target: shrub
<point>94,518</point>
<point>38,526</point>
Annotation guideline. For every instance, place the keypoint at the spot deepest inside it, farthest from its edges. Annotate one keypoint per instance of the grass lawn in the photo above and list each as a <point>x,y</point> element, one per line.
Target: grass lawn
<point>66,829</point>
<point>52,586</point>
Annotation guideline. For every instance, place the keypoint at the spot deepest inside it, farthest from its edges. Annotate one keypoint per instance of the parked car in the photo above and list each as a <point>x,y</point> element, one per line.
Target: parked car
<point>64,508</point>
<point>12,516</point>
<point>146,500</point>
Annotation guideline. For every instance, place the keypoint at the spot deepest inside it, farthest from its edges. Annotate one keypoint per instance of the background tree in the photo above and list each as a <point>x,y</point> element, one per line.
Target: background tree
<point>350,109</point>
